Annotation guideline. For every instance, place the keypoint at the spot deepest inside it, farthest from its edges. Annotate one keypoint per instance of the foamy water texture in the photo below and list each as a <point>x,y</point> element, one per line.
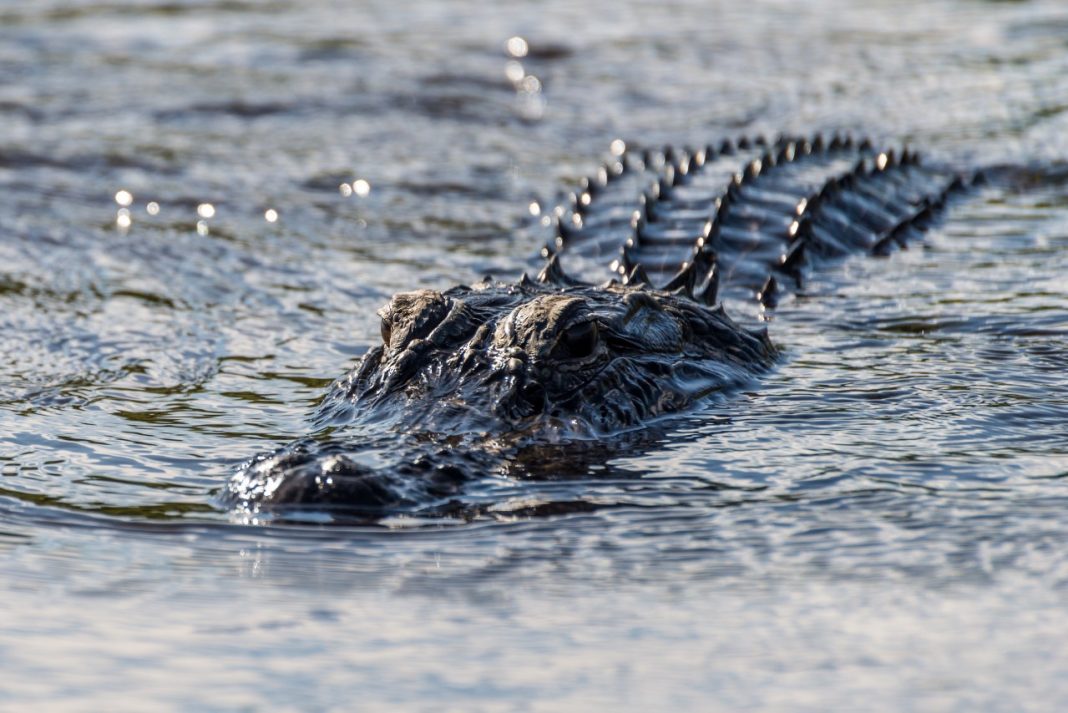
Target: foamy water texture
<point>202,205</point>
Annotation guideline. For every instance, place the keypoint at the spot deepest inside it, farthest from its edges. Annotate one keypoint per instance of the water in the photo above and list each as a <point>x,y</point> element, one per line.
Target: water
<point>878,523</point>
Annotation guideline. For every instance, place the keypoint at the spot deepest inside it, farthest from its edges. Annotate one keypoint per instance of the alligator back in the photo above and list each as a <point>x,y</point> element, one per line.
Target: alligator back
<point>741,220</point>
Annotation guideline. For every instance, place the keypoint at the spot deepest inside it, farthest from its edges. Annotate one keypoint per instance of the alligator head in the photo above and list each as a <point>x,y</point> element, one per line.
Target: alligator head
<point>542,359</point>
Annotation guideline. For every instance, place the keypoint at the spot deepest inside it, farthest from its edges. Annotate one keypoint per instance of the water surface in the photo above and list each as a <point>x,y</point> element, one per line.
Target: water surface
<point>878,523</point>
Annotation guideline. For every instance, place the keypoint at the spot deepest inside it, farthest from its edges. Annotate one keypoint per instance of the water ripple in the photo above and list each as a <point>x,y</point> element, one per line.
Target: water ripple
<point>889,500</point>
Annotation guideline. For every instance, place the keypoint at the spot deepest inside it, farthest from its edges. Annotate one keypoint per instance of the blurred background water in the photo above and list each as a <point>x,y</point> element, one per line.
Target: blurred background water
<point>202,204</point>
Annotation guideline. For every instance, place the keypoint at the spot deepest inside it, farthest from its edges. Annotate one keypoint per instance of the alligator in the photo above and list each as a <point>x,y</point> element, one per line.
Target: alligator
<point>538,377</point>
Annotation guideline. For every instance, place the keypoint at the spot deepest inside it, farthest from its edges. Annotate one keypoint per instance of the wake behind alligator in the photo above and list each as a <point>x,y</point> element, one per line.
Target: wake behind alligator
<point>549,377</point>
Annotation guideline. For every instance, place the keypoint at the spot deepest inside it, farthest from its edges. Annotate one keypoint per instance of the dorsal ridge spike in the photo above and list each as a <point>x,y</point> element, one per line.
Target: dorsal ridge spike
<point>670,174</point>
<point>734,189</point>
<point>563,231</point>
<point>638,221</point>
<point>752,170</point>
<point>794,259</point>
<point>702,261</point>
<point>637,277</point>
<point>768,294</point>
<point>723,207</point>
<point>553,273</point>
<point>787,153</point>
<point>682,168</point>
<point>626,261</point>
<point>707,290</point>
<point>709,234</point>
<point>698,160</point>
<point>569,225</point>
<point>924,215</point>
<point>645,202</point>
<point>683,281</point>
<point>829,188</point>
<point>591,186</point>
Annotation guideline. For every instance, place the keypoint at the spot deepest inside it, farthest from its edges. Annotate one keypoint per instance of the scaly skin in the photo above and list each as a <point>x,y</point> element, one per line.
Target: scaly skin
<point>469,379</point>
<point>532,359</point>
<point>474,381</point>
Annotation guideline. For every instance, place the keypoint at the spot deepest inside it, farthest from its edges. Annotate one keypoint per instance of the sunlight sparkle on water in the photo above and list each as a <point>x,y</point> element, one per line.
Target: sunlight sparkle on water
<point>152,208</point>
<point>361,187</point>
<point>270,215</point>
<point>206,210</point>
<point>530,84</point>
<point>123,219</point>
<point>514,72</point>
<point>517,46</point>
<point>202,227</point>
<point>124,198</point>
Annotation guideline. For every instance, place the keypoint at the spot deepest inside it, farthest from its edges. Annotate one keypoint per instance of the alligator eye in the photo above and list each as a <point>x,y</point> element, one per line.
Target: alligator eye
<point>578,341</point>
<point>387,331</point>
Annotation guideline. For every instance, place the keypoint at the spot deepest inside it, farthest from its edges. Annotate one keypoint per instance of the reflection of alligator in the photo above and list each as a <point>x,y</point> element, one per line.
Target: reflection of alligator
<point>470,381</point>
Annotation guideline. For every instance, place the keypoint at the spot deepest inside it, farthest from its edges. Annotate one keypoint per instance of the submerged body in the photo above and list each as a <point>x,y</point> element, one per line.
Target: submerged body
<point>485,380</point>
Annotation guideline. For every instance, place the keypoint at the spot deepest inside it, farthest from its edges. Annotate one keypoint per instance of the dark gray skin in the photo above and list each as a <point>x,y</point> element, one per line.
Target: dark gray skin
<point>484,377</point>
<point>546,378</point>
<point>541,360</point>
